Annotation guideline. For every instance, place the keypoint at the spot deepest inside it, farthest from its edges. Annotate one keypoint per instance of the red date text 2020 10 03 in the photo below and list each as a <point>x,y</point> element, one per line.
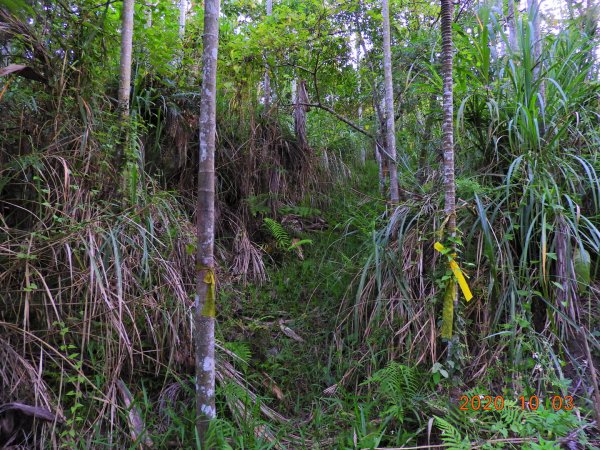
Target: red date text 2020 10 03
<point>496,403</point>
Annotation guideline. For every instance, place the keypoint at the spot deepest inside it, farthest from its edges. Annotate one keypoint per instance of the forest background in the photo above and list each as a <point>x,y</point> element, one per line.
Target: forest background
<point>335,328</point>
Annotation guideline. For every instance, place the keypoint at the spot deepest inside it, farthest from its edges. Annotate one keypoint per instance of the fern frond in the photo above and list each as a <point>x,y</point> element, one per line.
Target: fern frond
<point>300,243</point>
<point>451,435</point>
<point>397,381</point>
<point>511,415</point>
<point>241,350</point>
<point>278,232</point>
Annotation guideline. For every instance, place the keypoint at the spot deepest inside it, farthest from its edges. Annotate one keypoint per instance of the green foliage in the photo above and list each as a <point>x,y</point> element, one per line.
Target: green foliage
<point>97,281</point>
<point>281,236</point>
<point>302,211</point>
<point>452,436</point>
<point>498,426</point>
<point>279,233</point>
<point>582,263</point>
<point>258,204</point>
<point>401,387</point>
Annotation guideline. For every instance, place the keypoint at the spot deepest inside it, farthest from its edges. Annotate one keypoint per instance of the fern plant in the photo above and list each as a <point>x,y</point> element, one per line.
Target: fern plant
<point>505,423</point>
<point>401,388</point>
<point>452,436</point>
<point>279,233</point>
<point>282,237</point>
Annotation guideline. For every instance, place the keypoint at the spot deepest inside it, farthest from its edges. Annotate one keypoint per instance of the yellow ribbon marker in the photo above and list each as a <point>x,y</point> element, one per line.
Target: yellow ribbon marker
<point>460,278</point>
<point>209,309</point>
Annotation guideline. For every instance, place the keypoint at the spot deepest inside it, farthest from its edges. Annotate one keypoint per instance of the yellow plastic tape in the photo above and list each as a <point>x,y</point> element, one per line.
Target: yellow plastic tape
<point>460,278</point>
<point>209,309</point>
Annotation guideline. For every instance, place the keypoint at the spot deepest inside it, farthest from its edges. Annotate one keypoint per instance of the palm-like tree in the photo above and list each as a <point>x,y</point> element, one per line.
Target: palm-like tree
<point>448,116</point>
<point>204,313</point>
<point>451,297</point>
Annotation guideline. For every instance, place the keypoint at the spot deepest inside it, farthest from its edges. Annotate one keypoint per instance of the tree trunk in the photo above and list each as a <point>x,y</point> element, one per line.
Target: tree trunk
<point>512,26</point>
<point>448,116</point>
<point>267,78</point>
<point>204,312</point>
<point>447,10</point>
<point>125,79</point>
<point>183,6</point>
<point>389,105</point>
<point>300,114</point>
<point>125,64</point>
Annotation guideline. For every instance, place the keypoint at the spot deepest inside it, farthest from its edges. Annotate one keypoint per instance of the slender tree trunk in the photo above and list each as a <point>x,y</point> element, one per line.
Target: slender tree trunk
<point>267,78</point>
<point>183,6</point>
<point>125,64</point>
<point>448,116</point>
<point>204,312</point>
<point>447,10</point>
<point>125,78</point>
<point>512,25</point>
<point>389,105</point>
<point>300,114</point>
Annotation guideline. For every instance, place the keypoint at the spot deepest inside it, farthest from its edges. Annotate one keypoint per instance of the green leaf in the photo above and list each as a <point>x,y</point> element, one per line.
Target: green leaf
<point>26,256</point>
<point>30,287</point>
<point>300,243</point>
<point>582,263</point>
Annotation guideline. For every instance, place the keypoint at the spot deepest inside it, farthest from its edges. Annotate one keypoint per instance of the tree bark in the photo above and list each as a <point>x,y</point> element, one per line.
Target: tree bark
<point>125,64</point>
<point>204,312</point>
<point>447,12</point>
<point>448,116</point>
<point>183,6</point>
<point>125,79</point>
<point>300,108</point>
<point>389,105</point>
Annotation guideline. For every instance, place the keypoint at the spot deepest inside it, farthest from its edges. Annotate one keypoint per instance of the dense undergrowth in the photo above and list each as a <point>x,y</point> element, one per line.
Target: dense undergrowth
<point>331,300</point>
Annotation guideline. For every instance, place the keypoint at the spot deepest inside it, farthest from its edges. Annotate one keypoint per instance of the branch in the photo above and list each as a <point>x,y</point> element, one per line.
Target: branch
<point>339,117</point>
<point>350,124</point>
